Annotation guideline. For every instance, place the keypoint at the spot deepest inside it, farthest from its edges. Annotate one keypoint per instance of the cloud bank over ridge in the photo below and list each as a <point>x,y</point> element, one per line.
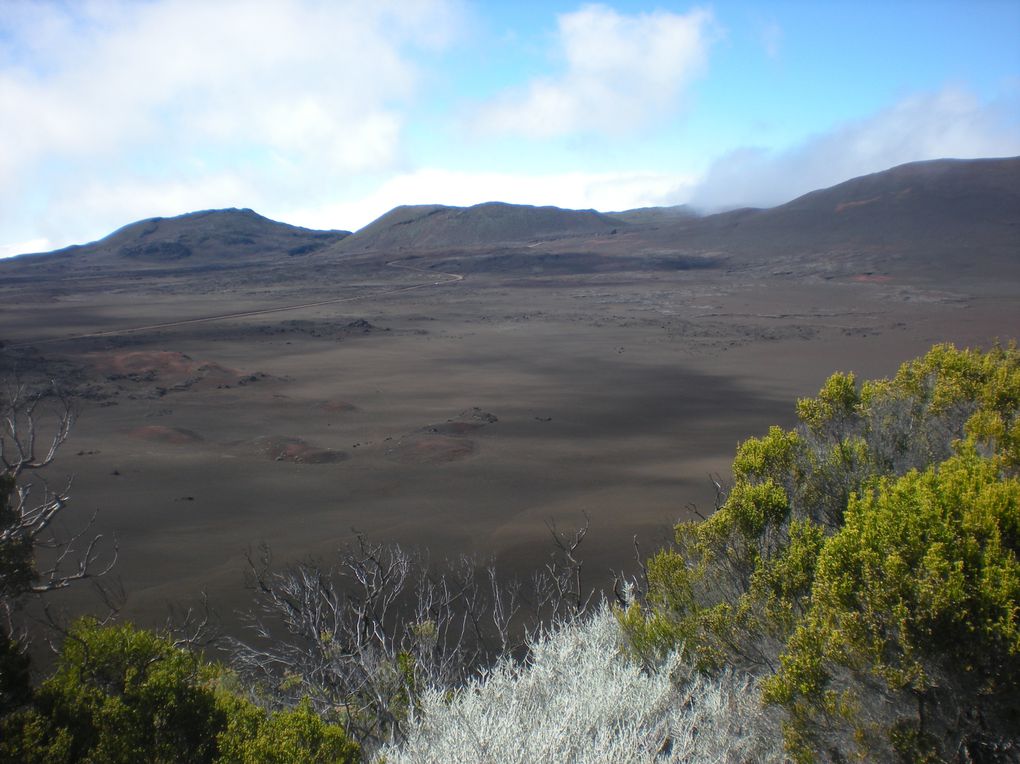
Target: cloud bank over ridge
<point>950,123</point>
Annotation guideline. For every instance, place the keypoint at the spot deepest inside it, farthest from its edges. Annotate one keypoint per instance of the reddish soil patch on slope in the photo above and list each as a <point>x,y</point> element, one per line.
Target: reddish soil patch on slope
<point>337,407</point>
<point>166,365</point>
<point>871,278</point>
<point>157,433</point>
<point>280,448</point>
<point>856,203</point>
<point>432,449</point>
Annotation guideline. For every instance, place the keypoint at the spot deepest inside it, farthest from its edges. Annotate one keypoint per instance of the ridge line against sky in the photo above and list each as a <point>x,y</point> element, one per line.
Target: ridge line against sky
<point>327,114</point>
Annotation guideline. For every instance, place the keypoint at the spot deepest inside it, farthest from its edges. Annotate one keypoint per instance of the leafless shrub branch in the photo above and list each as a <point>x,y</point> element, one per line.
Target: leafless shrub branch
<point>365,635</point>
<point>34,423</point>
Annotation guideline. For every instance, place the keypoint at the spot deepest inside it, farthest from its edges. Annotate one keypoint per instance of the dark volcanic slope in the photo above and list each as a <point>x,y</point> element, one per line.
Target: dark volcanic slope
<point>196,240</point>
<point>434,227</point>
<point>943,218</point>
<point>973,202</point>
<point>947,215</point>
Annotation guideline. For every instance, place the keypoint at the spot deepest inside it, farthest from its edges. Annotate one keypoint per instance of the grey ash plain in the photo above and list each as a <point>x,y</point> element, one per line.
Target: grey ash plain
<point>454,379</point>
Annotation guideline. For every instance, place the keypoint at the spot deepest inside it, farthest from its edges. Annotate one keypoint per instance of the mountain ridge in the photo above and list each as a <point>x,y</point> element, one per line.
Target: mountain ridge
<point>955,214</point>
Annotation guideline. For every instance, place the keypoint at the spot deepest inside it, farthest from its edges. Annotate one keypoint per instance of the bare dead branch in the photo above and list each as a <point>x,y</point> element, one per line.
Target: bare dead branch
<point>720,493</point>
<point>34,424</point>
<point>693,508</point>
<point>559,587</point>
<point>364,635</point>
<point>21,414</point>
<point>194,627</point>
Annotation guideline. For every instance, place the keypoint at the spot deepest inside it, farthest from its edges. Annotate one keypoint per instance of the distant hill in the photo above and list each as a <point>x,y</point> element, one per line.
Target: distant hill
<point>195,240</point>
<point>960,216</point>
<point>911,200</point>
<point>228,233</point>
<point>435,227</point>
<point>655,215</point>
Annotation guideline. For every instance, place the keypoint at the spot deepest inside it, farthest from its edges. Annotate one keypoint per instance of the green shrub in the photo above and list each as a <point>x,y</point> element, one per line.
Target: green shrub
<point>919,590</point>
<point>121,694</point>
<point>297,736</point>
<point>867,562</point>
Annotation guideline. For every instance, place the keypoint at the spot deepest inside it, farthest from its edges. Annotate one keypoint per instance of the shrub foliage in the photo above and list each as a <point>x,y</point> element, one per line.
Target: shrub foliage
<point>865,564</point>
<point>121,694</point>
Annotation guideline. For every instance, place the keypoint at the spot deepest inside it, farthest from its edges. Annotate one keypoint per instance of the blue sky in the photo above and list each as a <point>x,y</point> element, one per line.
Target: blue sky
<point>328,113</point>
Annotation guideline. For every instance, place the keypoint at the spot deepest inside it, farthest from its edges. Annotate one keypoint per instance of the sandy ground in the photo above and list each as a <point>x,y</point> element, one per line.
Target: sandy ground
<point>460,417</point>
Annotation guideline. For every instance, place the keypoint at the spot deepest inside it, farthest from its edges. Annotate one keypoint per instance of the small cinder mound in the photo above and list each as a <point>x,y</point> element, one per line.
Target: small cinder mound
<point>360,325</point>
<point>431,449</point>
<point>444,441</point>
<point>467,421</point>
<point>157,433</point>
<point>285,449</point>
<point>475,414</point>
<point>453,428</point>
<point>158,362</point>
<point>169,367</point>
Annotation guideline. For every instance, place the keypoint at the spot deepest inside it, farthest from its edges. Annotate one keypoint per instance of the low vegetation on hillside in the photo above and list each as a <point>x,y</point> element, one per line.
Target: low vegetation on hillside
<point>855,597</point>
<point>865,566</point>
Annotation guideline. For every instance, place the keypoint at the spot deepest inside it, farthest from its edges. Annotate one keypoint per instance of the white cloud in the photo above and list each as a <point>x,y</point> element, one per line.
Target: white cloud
<point>299,92</point>
<point>576,190</point>
<point>949,123</point>
<point>619,72</point>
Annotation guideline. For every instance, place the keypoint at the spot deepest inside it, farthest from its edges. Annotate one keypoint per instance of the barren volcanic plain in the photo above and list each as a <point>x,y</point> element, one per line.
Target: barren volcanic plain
<point>454,379</point>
